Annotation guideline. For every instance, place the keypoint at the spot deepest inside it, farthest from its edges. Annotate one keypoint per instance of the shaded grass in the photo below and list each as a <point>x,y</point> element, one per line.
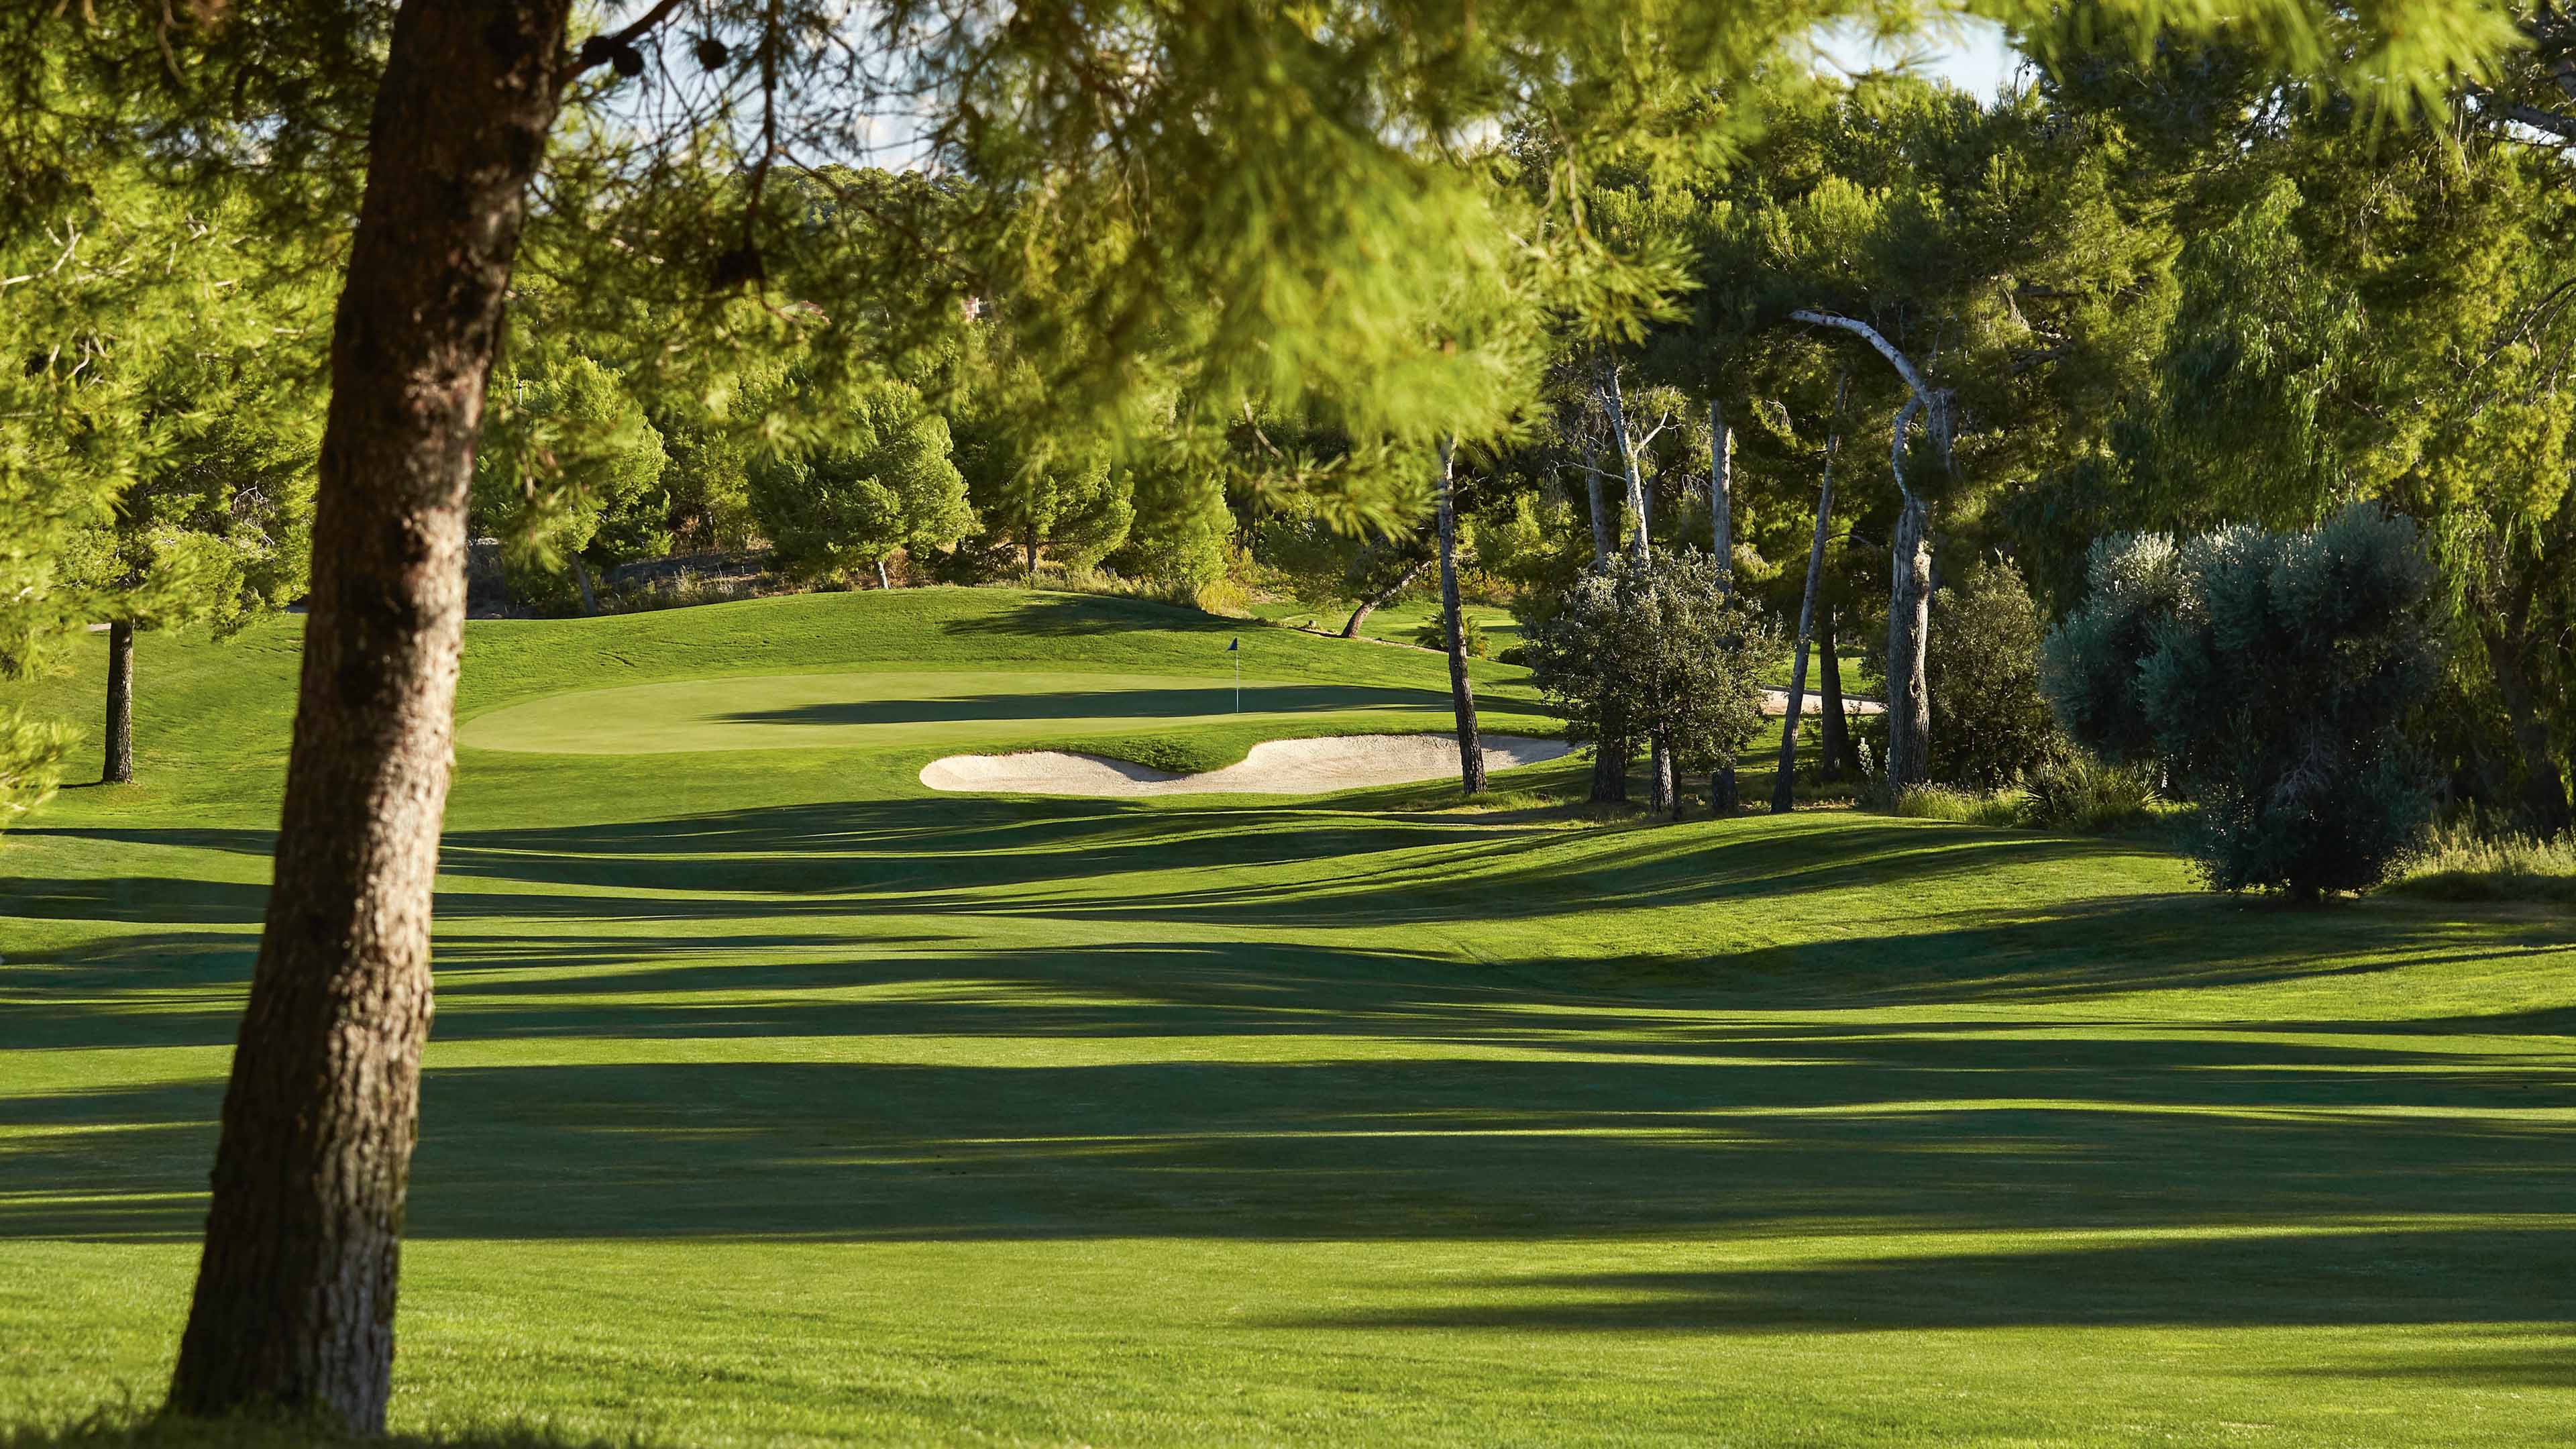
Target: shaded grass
<point>772,1099</point>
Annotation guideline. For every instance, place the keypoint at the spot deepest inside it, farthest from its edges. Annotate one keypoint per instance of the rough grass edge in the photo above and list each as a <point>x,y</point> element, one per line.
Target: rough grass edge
<point>2459,864</point>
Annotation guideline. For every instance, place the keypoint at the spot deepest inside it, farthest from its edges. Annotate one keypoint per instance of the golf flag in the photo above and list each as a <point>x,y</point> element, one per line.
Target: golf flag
<point>1237,644</point>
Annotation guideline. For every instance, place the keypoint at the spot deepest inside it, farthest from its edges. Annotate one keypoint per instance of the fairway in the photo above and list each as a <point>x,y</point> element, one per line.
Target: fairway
<point>903,707</point>
<point>773,1098</point>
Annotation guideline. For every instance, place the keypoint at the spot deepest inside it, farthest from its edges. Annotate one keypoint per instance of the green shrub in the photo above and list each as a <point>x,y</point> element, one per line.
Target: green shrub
<point>1993,808</point>
<point>2088,796</point>
<point>882,482</point>
<point>1432,636</point>
<point>2463,865</point>
<point>2271,675</point>
<point>1991,726</point>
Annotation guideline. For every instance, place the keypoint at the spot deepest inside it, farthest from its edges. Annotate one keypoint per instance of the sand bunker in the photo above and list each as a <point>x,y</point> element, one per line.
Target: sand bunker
<point>1277,767</point>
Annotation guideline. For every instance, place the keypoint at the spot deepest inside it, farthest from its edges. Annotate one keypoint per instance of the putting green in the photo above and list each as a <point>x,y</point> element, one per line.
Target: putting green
<point>949,707</point>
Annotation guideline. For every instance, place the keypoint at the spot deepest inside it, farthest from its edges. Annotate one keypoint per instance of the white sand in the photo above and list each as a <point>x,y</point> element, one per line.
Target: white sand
<point>1276,767</point>
<point>1775,703</point>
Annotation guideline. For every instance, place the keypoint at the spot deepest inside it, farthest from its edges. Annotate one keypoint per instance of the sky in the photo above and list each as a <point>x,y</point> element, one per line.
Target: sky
<point>1970,54</point>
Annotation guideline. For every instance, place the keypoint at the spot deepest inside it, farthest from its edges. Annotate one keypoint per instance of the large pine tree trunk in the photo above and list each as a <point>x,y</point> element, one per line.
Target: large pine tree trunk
<point>294,1303</point>
<point>1610,768</point>
<point>1841,751</point>
<point>119,766</point>
<point>1379,600</point>
<point>1462,690</point>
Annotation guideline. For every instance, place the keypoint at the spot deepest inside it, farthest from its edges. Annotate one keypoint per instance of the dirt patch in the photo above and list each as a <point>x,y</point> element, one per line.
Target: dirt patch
<point>1275,767</point>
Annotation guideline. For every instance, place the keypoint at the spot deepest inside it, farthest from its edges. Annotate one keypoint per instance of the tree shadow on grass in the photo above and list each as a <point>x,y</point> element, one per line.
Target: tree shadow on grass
<point>135,1429</point>
<point>2429,1276</point>
<point>1007,1111</point>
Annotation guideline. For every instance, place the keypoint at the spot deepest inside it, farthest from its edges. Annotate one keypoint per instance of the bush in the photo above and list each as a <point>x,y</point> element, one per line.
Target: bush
<point>1991,726</point>
<point>2088,796</point>
<point>1636,648</point>
<point>1432,636</point>
<point>1995,808</point>
<point>2462,865</point>
<point>2271,675</point>
<point>31,762</point>
<point>882,482</point>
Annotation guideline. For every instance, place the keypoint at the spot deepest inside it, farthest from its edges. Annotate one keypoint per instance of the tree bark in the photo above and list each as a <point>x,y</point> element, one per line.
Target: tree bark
<point>1721,493</point>
<point>1610,771</point>
<point>1909,708</point>
<point>1030,542</point>
<point>1841,751</point>
<point>1784,786</point>
<point>1601,529</point>
<point>293,1310</point>
<point>1613,400</point>
<point>1368,606</point>
<point>1909,703</point>
<point>882,581</point>
<point>1661,797</point>
<point>581,578</point>
<point>118,768</point>
<point>1462,690</point>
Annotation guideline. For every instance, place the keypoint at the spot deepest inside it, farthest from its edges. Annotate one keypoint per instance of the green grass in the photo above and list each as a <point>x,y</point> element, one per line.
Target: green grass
<point>774,1099</point>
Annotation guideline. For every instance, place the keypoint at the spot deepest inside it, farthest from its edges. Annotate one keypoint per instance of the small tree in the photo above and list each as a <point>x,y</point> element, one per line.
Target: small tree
<point>568,460</point>
<point>882,483</point>
<point>1661,647</point>
<point>1983,667</point>
<point>2271,674</point>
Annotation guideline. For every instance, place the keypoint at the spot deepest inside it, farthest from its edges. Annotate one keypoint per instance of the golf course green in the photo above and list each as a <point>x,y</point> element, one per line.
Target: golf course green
<point>774,1098</point>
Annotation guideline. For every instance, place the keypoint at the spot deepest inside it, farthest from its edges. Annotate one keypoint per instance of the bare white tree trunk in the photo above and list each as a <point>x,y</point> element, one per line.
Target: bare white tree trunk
<point>1616,403</point>
<point>1783,788</point>
<point>1721,491</point>
<point>1909,598</point>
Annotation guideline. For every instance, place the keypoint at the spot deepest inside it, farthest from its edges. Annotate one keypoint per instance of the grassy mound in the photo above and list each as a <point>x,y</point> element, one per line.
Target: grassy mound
<point>774,1099</point>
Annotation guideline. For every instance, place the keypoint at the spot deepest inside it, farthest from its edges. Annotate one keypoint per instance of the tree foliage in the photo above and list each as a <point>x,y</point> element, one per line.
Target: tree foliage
<point>1658,646</point>
<point>2272,674</point>
<point>885,482</point>
<point>1994,728</point>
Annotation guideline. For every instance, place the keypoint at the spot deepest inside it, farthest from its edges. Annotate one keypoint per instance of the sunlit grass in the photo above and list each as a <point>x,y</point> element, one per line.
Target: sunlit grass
<point>775,1100</point>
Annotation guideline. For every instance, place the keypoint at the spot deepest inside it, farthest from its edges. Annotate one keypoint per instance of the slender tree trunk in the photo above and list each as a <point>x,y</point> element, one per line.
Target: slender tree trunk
<point>1616,403</point>
<point>1721,492</point>
<point>1909,701</point>
<point>294,1303</point>
<point>1909,605</point>
<point>1661,796</point>
<point>581,578</point>
<point>1784,785</point>
<point>1602,532</point>
<point>1031,543</point>
<point>882,581</point>
<point>1722,792</point>
<point>1368,606</point>
<point>1462,691</point>
<point>1839,748</point>
<point>119,766</point>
